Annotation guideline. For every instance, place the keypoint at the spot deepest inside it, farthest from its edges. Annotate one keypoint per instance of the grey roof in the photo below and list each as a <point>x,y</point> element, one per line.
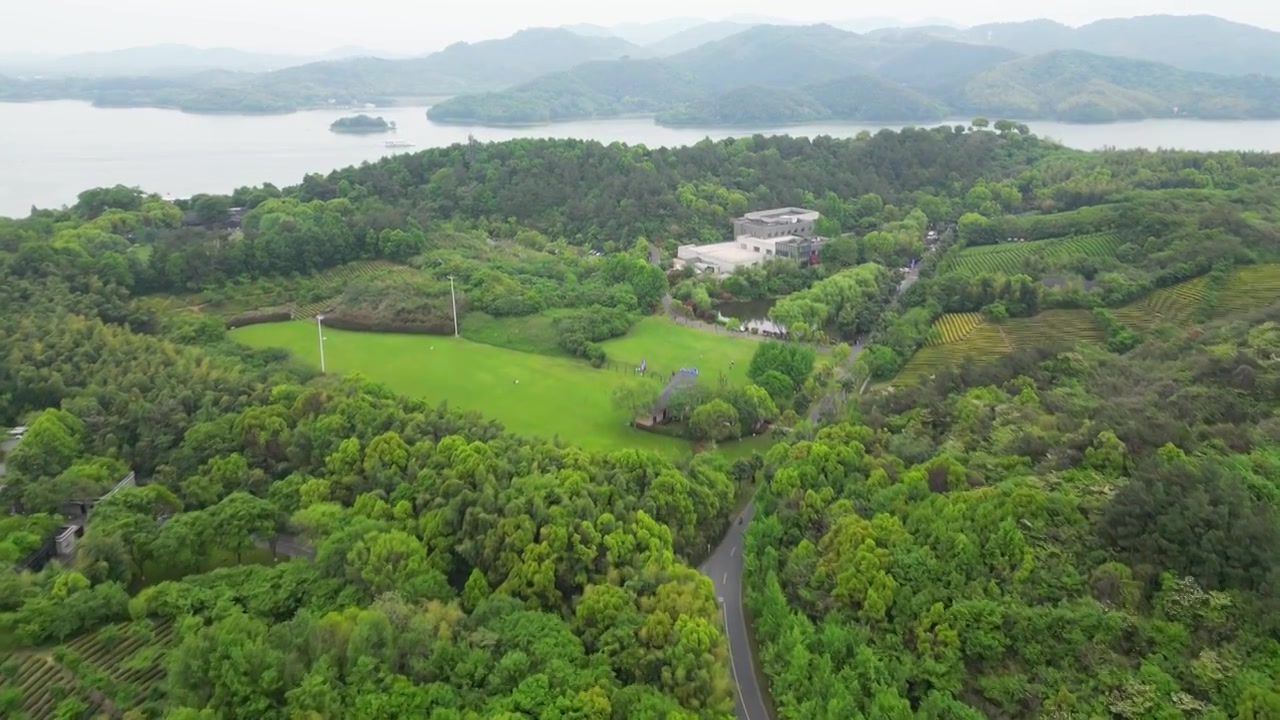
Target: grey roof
<point>681,379</point>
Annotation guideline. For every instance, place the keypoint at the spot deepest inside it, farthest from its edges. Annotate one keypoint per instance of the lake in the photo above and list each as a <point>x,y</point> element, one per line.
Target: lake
<point>753,314</point>
<point>50,151</point>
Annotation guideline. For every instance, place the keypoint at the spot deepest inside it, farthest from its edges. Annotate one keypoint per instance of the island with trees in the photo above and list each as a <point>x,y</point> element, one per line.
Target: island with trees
<point>362,125</point>
<point>1016,457</point>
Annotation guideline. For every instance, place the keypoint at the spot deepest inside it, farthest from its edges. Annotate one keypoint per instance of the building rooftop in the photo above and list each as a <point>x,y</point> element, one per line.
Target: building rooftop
<point>773,241</point>
<point>727,252</point>
<point>782,216</point>
<point>681,379</point>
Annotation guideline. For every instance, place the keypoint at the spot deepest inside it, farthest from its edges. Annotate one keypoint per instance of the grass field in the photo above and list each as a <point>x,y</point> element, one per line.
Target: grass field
<point>1007,257</point>
<point>555,396</point>
<point>668,346</point>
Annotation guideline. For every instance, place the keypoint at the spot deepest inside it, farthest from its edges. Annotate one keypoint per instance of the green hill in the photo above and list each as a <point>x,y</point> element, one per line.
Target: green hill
<point>937,66</point>
<point>1081,87</point>
<point>859,97</point>
<point>781,56</point>
<point>1200,43</point>
<point>695,36</point>
<point>598,89</point>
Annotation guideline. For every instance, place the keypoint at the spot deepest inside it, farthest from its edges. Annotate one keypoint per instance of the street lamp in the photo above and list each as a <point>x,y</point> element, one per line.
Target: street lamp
<point>454,299</point>
<point>320,335</point>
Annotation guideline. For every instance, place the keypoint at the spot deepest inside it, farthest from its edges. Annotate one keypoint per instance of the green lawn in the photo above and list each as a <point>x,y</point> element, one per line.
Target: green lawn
<point>554,395</point>
<point>668,346</point>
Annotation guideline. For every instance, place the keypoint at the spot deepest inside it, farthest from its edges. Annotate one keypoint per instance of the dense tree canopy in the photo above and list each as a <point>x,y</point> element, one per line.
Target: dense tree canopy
<point>1073,531</point>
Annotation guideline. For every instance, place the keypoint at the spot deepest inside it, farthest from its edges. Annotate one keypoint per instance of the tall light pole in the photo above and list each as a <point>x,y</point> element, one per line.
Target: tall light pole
<point>454,298</point>
<point>320,335</point>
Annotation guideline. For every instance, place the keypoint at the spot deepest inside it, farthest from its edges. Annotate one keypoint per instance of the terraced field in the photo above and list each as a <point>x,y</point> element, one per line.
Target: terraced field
<point>131,655</point>
<point>1053,327</point>
<point>117,667</point>
<point>1251,287</point>
<point>1007,257</point>
<point>1175,305</point>
<point>336,280</point>
<point>986,340</point>
<point>953,327</point>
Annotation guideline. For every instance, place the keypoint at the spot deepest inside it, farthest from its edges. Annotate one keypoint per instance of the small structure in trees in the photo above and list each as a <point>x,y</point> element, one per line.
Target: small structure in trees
<point>658,414</point>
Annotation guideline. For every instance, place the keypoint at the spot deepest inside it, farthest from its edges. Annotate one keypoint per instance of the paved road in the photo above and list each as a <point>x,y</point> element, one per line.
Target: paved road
<point>724,567</point>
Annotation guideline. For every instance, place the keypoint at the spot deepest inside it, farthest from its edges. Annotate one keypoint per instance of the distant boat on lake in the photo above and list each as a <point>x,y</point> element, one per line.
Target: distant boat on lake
<point>398,144</point>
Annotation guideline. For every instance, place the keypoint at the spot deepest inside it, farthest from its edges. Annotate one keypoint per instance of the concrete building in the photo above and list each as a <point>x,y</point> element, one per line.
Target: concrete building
<point>758,237</point>
<point>776,223</point>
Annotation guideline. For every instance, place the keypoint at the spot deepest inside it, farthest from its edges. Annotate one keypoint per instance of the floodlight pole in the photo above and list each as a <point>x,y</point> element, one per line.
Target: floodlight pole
<point>320,336</point>
<point>454,299</point>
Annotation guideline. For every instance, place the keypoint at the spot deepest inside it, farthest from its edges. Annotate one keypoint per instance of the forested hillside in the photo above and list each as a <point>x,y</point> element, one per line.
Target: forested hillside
<point>1080,535</point>
<point>1083,523</point>
<point>776,75</point>
<point>1201,43</point>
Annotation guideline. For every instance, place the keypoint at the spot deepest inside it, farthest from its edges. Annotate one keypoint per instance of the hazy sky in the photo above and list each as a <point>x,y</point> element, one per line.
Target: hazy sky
<point>302,26</point>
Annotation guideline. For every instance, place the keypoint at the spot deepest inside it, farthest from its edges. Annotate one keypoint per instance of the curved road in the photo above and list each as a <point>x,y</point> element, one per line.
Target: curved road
<point>724,567</point>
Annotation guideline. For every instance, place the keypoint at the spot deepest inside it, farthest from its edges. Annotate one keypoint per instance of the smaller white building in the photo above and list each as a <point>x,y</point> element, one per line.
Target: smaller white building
<point>725,257</point>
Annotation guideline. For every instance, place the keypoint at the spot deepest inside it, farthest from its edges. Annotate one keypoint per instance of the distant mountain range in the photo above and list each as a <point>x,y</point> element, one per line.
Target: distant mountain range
<point>164,60</point>
<point>770,75</point>
<point>732,71</point>
<point>459,68</point>
<point>1192,42</point>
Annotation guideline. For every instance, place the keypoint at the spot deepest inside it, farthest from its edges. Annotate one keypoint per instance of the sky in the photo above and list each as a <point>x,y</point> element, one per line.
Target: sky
<point>51,27</point>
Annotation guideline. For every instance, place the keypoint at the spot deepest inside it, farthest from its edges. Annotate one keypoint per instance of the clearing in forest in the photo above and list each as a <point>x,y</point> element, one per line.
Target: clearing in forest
<point>530,394</point>
<point>667,346</point>
<point>1007,258</point>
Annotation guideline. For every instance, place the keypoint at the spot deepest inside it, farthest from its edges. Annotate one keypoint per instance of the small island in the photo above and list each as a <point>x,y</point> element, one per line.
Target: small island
<point>362,124</point>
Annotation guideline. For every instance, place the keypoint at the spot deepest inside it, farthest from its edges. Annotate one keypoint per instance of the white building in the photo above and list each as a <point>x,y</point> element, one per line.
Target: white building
<point>759,237</point>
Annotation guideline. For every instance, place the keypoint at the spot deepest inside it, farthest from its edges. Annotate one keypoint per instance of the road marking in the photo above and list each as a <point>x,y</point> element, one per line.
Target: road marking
<point>726,579</point>
<point>733,551</point>
<point>733,665</point>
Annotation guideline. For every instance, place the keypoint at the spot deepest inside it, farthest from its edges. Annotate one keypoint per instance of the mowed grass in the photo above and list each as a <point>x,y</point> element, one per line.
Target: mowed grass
<point>987,340</point>
<point>668,346</point>
<point>555,396</point>
<point>1007,257</point>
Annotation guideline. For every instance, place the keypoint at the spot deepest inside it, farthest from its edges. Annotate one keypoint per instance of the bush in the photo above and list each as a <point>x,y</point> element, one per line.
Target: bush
<point>578,331</point>
<point>793,360</point>
<point>258,318</point>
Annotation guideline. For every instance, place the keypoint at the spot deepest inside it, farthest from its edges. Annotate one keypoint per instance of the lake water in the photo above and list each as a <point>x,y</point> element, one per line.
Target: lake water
<point>50,151</point>
<point>753,314</point>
